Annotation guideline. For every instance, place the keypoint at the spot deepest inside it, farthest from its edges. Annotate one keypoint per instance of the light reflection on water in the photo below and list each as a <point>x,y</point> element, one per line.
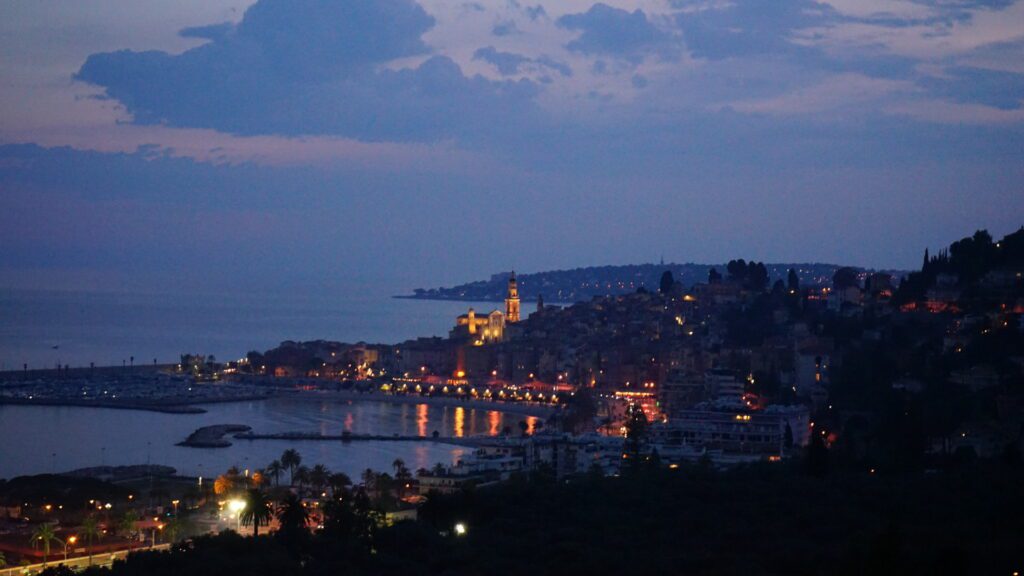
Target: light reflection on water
<point>40,439</point>
<point>422,421</point>
<point>493,423</point>
<point>460,421</point>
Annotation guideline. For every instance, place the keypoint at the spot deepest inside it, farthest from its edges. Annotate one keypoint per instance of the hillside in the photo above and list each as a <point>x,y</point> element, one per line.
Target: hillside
<point>582,284</point>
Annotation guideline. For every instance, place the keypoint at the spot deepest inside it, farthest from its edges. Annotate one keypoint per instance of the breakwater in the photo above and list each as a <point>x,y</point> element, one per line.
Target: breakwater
<point>213,436</point>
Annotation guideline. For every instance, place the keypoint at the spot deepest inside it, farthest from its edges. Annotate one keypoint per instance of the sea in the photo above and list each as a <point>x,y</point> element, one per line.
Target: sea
<point>45,328</point>
<point>42,329</point>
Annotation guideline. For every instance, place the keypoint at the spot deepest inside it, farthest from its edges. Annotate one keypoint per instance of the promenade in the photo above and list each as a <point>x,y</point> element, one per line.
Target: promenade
<point>78,563</point>
<point>523,408</point>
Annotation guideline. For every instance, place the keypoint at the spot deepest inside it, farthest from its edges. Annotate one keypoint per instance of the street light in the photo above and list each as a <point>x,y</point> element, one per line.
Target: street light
<point>71,540</point>
<point>460,529</point>
<point>237,506</point>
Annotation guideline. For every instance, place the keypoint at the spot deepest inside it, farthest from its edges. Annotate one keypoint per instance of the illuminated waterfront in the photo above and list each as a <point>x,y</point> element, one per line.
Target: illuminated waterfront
<point>64,438</point>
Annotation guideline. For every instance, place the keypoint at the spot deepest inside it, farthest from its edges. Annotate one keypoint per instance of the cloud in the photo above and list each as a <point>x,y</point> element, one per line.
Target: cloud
<point>312,67</point>
<point>993,88</point>
<point>209,32</point>
<point>748,28</point>
<point>615,32</point>
<point>508,63</point>
<point>955,114</point>
<point>505,28</point>
<point>835,92</point>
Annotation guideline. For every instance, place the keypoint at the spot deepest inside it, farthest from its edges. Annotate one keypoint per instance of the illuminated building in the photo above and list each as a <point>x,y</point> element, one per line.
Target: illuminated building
<point>731,436</point>
<point>512,300</point>
<point>485,329</point>
<point>480,329</point>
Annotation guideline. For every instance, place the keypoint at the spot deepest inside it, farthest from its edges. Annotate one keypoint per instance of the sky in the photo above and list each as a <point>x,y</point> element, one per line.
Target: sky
<point>314,146</point>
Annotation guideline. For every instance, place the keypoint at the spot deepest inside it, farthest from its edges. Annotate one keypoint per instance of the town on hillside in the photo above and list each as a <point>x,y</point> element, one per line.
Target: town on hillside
<point>870,376</point>
<point>731,369</point>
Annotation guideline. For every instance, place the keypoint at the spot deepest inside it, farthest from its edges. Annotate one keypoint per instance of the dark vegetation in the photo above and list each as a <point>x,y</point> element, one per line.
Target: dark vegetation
<point>58,490</point>
<point>967,260</point>
<point>765,519</point>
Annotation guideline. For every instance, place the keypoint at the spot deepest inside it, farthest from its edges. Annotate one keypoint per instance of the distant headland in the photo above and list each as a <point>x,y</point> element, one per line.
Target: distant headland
<point>582,284</point>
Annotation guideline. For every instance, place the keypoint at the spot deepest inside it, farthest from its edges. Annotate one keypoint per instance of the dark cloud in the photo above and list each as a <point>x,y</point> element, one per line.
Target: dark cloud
<point>768,32</point>
<point>210,32</point>
<point>757,28</point>
<point>749,27</point>
<point>505,28</point>
<point>326,36</point>
<point>560,67</point>
<point>613,32</point>
<point>994,88</point>
<point>535,12</point>
<point>311,67</point>
<point>508,63</point>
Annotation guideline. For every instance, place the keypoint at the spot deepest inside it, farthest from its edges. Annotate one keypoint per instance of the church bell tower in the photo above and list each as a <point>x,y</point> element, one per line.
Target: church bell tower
<point>512,300</point>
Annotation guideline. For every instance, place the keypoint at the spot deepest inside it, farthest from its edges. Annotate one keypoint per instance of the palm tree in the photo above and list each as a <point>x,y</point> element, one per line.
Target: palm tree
<point>318,476</point>
<point>42,536</point>
<point>339,481</point>
<point>292,515</point>
<point>301,476</point>
<point>291,459</point>
<point>402,474</point>
<point>126,526</point>
<point>258,510</point>
<point>401,470</point>
<point>369,478</point>
<point>274,469</point>
<point>91,531</point>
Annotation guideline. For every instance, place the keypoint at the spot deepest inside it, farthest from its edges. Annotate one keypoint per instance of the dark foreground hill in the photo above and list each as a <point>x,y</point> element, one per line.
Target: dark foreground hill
<point>764,519</point>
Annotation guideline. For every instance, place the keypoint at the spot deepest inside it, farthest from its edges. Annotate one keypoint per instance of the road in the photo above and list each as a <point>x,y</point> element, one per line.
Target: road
<point>78,563</point>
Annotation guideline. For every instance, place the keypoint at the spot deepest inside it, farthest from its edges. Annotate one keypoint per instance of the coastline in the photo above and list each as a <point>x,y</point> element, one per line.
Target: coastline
<point>195,407</point>
<point>489,300</point>
<point>535,410</point>
<point>71,402</point>
<point>183,406</point>
<point>443,299</point>
<point>464,442</point>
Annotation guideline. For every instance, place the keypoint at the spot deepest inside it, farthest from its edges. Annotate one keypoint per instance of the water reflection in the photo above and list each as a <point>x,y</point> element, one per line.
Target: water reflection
<point>33,439</point>
<point>422,418</point>
<point>531,424</point>
<point>460,421</point>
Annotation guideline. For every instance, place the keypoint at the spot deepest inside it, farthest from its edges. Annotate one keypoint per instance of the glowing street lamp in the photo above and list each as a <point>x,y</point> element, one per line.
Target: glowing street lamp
<point>71,540</point>
<point>236,506</point>
<point>460,529</point>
